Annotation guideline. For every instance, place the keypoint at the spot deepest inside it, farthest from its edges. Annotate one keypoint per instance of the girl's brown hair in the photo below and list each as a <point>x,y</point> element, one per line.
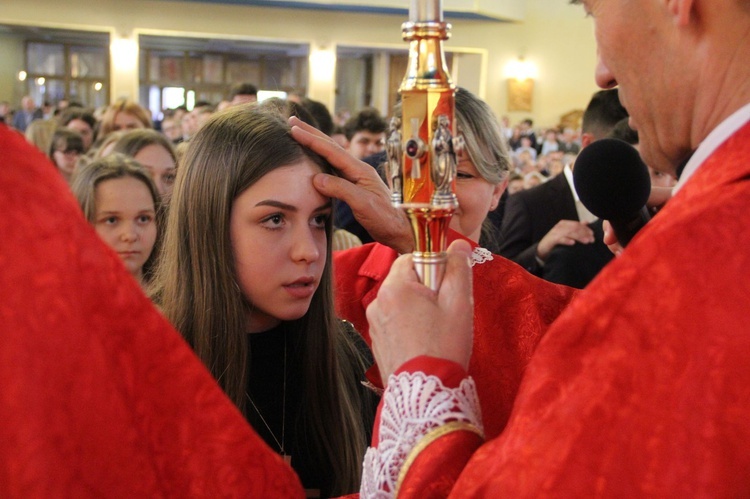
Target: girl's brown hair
<point>133,141</point>
<point>197,287</point>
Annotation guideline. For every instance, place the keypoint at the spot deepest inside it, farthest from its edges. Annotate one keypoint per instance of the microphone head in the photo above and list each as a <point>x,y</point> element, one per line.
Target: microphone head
<point>611,179</point>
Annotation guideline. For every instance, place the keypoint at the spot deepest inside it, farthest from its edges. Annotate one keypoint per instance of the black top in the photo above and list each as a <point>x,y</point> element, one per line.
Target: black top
<point>266,390</point>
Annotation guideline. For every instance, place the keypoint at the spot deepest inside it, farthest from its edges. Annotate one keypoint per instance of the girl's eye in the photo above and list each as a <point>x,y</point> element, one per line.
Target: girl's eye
<point>274,221</point>
<point>169,178</point>
<point>144,219</point>
<point>319,221</point>
<point>463,175</point>
<point>110,220</point>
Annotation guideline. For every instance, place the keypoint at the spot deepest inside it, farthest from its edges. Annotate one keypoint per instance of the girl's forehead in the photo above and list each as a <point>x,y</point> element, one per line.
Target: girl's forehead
<point>291,180</point>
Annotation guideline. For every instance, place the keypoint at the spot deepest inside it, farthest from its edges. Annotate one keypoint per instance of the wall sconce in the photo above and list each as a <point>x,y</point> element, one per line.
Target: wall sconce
<point>322,64</point>
<point>22,75</point>
<point>520,74</point>
<point>521,69</point>
<point>124,54</point>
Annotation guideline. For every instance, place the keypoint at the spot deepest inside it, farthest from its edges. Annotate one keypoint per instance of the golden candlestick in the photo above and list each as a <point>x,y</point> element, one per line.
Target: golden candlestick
<point>422,145</point>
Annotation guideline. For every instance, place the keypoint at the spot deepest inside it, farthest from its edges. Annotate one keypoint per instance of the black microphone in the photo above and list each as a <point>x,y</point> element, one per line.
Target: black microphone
<point>612,181</point>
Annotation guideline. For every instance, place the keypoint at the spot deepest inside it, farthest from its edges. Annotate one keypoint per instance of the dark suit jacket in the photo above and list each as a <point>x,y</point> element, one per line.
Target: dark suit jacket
<point>577,265</point>
<point>529,215</point>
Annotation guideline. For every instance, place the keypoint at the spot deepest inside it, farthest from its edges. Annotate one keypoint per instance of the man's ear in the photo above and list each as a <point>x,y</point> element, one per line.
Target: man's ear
<point>586,139</point>
<point>681,10</point>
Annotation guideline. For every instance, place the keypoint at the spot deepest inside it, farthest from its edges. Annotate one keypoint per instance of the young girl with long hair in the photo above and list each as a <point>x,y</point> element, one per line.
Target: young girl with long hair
<point>119,199</point>
<point>245,276</point>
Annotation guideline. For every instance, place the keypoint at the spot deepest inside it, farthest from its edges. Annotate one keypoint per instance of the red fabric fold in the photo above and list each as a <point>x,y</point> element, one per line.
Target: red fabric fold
<point>435,470</point>
<point>99,396</point>
<point>513,310</point>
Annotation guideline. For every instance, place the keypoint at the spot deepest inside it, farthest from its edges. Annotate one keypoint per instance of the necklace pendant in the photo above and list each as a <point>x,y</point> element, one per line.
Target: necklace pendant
<point>287,459</point>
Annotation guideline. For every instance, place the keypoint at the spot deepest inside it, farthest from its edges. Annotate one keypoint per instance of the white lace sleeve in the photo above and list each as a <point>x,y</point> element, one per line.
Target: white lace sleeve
<point>413,405</point>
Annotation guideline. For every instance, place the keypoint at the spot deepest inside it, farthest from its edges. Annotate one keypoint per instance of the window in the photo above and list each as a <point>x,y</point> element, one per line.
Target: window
<point>76,70</point>
<point>188,70</point>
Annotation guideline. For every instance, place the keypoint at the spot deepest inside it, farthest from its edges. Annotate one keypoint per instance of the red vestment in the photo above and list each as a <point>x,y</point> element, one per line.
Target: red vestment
<point>99,395</point>
<point>642,386</point>
<point>512,310</point>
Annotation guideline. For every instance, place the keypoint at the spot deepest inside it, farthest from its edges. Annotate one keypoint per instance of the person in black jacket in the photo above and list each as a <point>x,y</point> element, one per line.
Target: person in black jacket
<point>537,220</point>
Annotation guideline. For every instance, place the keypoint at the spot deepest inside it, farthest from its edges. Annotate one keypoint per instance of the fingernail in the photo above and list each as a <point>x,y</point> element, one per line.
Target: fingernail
<point>320,179</point>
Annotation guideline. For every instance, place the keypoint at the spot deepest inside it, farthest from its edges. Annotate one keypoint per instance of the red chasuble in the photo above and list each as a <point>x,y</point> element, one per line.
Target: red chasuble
<point>642,387</point>
<point>99,396</point>
<point>512,310</point>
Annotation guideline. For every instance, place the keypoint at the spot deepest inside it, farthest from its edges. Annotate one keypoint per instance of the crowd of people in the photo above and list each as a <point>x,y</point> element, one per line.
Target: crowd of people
<point>266,278</point>
<point>504,382</point>
<point>292,368</point>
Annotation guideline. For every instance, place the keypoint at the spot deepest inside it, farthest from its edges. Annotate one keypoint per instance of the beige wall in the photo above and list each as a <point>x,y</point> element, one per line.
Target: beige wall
<point>555,36</point>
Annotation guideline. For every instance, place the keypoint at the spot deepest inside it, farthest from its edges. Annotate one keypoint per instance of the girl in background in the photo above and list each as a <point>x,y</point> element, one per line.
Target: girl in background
<point>119,199</point>
<point>65,149</point>
<point>245,276</point>
<point>155,152</point>
<point>124,115</point>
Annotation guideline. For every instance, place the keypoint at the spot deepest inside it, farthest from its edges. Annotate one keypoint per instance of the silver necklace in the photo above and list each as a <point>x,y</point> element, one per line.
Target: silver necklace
<point>287,458</point>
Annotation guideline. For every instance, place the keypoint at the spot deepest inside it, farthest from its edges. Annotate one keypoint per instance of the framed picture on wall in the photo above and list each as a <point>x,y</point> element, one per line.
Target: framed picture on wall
<point>520,94</point>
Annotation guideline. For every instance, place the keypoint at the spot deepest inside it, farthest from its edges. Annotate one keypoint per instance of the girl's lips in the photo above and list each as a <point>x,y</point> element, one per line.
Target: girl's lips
<point>301,288</point>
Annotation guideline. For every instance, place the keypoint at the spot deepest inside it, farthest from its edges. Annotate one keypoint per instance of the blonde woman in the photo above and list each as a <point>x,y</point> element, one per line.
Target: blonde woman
<point>124,115</point>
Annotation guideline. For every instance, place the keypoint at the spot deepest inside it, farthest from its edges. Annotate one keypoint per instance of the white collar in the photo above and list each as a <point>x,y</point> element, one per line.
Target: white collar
<point>712,142</point>
<point>569,177</point>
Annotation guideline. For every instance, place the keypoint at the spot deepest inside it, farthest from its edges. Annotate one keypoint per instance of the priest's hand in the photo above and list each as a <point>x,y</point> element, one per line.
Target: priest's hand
<point>408,319</point>
<point>359,186</point>
<point>656,201</point>
<point>610,239</point>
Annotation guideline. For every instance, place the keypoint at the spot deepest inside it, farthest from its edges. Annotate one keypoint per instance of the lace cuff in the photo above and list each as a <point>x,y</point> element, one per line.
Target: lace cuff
<point>414,405</point>
<point>480,255</point>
